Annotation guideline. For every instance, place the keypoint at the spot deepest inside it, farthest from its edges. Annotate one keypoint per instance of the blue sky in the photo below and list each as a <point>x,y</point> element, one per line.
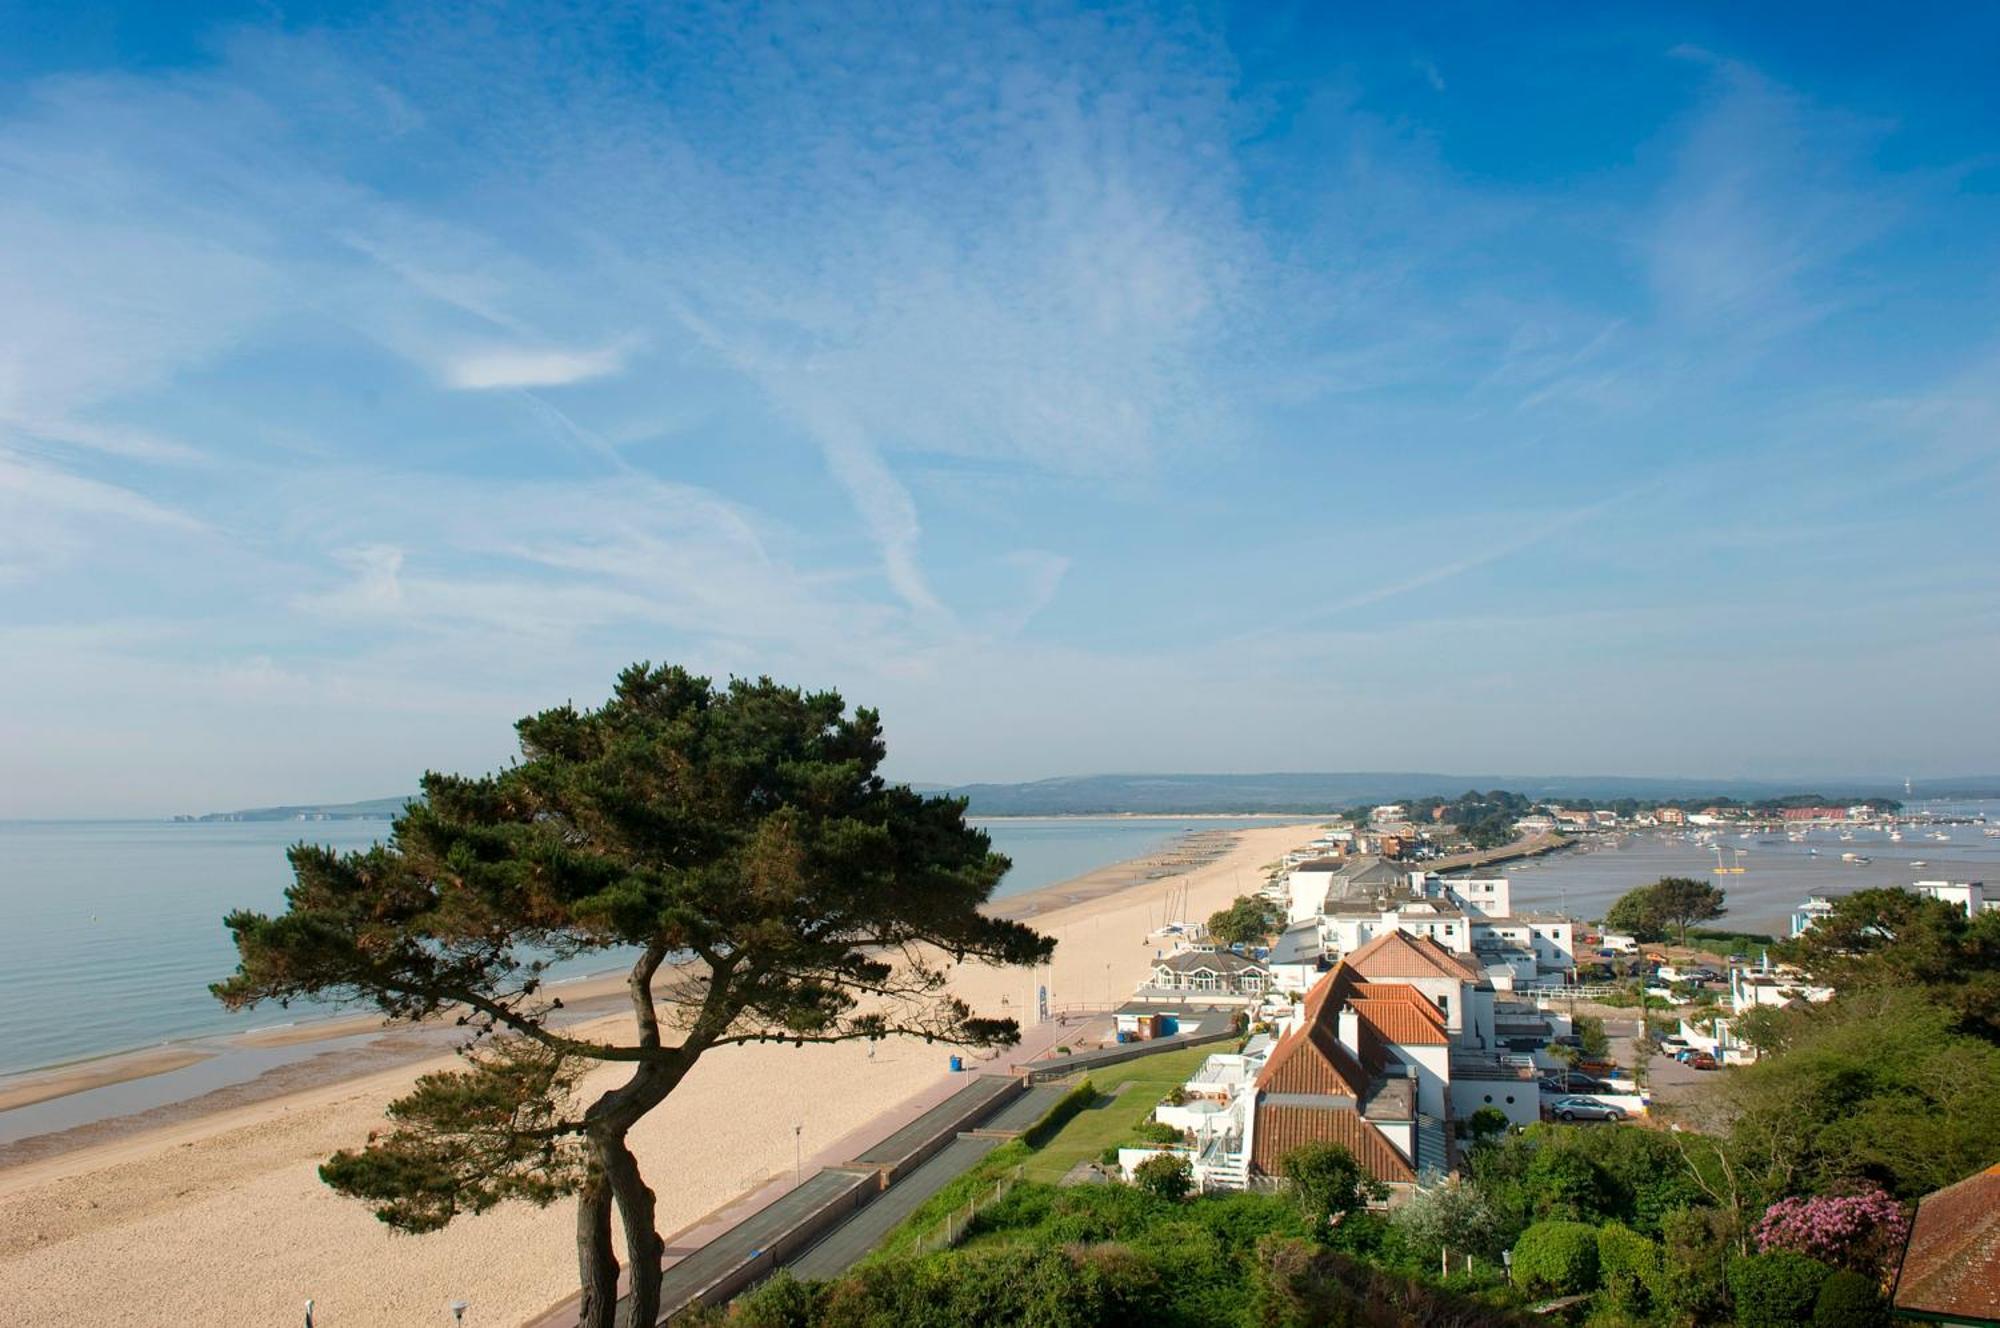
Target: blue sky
<point>1090,389</point>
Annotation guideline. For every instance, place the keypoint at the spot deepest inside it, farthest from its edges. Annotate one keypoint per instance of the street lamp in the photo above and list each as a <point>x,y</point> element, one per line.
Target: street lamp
<point>798,1153</point>
<point>458,1309</point>
<point>309,1314</point>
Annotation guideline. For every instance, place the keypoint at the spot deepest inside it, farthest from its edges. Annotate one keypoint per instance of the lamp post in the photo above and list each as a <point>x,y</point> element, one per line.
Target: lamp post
<point>309,1314</point>
<point>458,1309</point>
<point>798,1152</point>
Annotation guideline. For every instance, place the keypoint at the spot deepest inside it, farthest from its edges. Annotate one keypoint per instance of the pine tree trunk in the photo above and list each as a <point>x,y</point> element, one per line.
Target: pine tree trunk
<point>597,1263</point>
<point>643,1247</point>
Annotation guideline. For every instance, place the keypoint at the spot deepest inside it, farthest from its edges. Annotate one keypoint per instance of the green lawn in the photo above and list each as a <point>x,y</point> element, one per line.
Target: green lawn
<point>1110,1119</point>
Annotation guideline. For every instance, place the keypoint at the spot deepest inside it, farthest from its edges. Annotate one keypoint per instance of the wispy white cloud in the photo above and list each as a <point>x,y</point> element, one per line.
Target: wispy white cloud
<point>521,366</point>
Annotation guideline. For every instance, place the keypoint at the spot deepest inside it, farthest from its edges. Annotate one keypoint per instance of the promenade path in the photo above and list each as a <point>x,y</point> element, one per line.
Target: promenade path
<point>851,1241</point>
<point>1036,1042</point>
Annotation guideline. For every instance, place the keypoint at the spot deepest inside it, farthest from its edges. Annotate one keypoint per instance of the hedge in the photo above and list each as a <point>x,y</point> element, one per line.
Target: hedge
<point>1849,1300</point>
<point>1558,1258</point>
<point>1629,1265</point>
<point>1776,1290</point>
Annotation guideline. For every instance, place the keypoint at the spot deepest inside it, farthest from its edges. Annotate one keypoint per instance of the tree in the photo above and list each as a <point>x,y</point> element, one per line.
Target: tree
<point>1165,1176</point>
<point>1245,922</point>
<point>1861,1232</point>
<point>1328,1183</point>
<point>1636,913</point>
<point>741,832</point>
<point>1672,903</point>
<point>1893,938</point>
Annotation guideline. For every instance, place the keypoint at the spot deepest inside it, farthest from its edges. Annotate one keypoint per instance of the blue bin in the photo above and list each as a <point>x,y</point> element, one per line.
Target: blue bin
<point>957,1063</point>
<point>1169,1025</point>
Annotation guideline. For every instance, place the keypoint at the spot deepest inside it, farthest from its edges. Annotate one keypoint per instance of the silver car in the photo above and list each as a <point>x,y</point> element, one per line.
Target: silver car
<point>1585,1108</point>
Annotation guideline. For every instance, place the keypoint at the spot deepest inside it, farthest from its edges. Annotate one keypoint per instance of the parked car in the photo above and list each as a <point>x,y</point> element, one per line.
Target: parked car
<point>1701,1060</point>
<point>1573,1082</point>
<point>1673,1044</point>
<point>1584,1108</point>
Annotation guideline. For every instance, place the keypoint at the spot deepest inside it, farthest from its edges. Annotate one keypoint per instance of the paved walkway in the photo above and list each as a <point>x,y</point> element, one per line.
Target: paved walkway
<point>750,1238</point>
<point>851,1241</point>
<point>1036,1041</point>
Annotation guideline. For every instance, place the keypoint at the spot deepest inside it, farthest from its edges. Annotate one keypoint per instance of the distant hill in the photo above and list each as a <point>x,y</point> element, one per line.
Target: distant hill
<point>1309,793</point>
<point>374,809</point>
<point>1317,792</point>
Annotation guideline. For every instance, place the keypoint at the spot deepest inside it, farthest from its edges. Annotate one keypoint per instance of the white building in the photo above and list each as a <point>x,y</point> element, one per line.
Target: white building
<point>1356,901</point>
<point>1968,895</point>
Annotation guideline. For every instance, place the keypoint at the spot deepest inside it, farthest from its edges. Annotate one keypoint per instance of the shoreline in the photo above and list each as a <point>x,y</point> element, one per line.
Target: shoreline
<point>167,1211</point>
<point>402,1043</point>
<point>37,1084</point>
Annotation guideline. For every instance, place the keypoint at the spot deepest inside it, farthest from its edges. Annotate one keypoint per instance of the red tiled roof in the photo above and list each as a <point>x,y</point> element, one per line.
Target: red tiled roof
<point>1400,1023</point>
<point>1951,1267</point>
<point>1281,1129</point>
<point>1398,954</point>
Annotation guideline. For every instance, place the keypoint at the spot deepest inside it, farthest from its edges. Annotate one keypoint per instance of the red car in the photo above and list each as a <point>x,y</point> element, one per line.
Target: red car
<point>1701,1060</point>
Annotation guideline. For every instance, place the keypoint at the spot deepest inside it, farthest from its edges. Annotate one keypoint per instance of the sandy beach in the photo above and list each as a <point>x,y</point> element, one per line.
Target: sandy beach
<point>216,1217</point>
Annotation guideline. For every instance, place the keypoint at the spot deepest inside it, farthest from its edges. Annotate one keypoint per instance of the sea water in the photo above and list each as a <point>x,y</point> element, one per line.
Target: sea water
<point>111,931</point>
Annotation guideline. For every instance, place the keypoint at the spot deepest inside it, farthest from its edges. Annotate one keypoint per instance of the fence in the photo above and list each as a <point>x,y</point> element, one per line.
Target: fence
<point>952,1230</point>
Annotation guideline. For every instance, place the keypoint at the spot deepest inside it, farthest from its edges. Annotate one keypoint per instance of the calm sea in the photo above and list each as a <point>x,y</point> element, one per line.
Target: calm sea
<point>110,931</point>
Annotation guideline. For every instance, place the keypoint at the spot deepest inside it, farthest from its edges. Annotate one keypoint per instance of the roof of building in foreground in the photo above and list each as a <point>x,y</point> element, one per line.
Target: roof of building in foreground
<point>1951,1267</point>
<point>1398,954</point>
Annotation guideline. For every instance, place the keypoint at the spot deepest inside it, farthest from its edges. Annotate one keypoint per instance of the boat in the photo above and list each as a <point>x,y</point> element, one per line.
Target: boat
<point>1918,862</point>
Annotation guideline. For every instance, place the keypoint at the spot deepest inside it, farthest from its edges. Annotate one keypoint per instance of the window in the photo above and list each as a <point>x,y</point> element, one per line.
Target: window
<point>1444,1005</point>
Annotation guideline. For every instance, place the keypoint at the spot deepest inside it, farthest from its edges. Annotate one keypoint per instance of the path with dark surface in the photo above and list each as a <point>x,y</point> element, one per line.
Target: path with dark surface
<point>1026,1109</point>
<point>753,1237</point>
<point>966,1104</point>
<point>851,1241</point>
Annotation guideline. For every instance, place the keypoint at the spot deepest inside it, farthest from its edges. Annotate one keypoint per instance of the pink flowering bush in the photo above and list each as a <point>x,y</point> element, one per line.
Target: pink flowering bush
<point>1861,1231</point>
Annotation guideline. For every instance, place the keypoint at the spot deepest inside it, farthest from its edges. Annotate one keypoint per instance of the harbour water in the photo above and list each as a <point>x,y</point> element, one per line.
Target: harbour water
<point>1777,873</point>
<point>111,931</point>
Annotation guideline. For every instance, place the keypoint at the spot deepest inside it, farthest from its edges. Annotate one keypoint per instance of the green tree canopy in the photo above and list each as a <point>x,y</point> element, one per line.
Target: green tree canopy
<point>736,844</point>
<point>1328,1183</point>
<point>1669,906</point>
<point>1246,922</point>
<point>1894,938</point>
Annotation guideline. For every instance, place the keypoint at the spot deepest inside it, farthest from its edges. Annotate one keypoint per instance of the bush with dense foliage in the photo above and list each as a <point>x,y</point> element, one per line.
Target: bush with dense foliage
<point>1556,1258</point>
<point>1776,1290</point>
<point>1165,1176</point>
<point>1629,1268</point>
<point>1849,1300</point>
<point>1328,1183</point>
<point>1303,1285</point>
<point>1451,1217</point>
<point>1696,1245</point>
<point>1617,1173</point>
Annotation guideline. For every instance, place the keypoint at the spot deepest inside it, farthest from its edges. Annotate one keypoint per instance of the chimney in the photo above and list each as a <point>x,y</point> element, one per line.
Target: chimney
<point>1350,1031</point>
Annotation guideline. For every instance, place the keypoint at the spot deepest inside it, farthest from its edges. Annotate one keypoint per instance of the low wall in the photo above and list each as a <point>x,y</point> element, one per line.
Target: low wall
<point>958,1113</point>
<point>1084,1061</point>
<point>783,1247</point>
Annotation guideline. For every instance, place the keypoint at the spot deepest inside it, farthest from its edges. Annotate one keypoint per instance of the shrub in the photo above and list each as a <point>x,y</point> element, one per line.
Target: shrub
<point>782,1302</point>
<point>1453,1216</point>
<point>1775,1290</point>
<point>1556,1258</point>
<point>1629,1266</point>
<point>1156,1132</point>
<point>1327,1182</point>
<point>1849,1300</point>
<point>1165,1175</point>
<point>1696,1245</point>
<point>1861,1232</point>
